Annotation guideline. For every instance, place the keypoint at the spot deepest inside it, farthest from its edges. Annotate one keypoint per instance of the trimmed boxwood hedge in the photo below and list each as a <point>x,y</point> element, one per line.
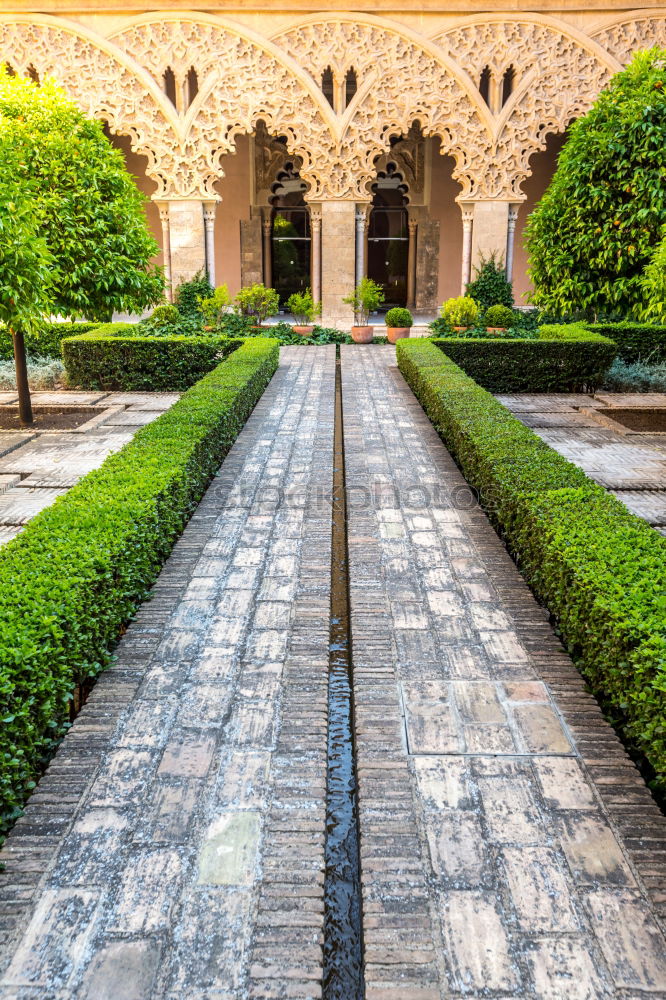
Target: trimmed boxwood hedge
<point>565,358</point>
<point>77,572</point>
<point>635,341</point>
<point>598,568</point>
<point>45,344</point>
<point>112,357</point>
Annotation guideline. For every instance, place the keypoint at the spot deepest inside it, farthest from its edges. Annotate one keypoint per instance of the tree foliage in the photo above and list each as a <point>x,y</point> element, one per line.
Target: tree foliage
<point>85,203</point>
<point>490,286</point>
<point>593,232</point>
<point>654,286</point>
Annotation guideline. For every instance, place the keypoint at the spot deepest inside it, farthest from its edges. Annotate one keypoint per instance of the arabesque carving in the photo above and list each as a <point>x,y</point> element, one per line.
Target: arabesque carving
<point>403,78</point>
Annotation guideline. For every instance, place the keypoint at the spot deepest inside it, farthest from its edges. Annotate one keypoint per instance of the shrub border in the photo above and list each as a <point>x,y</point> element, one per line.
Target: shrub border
<point>75,575</point>
<point>598,568</point>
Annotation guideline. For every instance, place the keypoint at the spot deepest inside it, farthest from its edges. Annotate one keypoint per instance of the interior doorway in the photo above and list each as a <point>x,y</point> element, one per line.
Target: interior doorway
<point>388,236</point>
<point>291,239</point>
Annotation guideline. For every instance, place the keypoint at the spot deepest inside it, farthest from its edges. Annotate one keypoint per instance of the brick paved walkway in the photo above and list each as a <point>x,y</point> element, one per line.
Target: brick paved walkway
<point>492,864</point>
<point>174,850</point>
<point>215,770</point>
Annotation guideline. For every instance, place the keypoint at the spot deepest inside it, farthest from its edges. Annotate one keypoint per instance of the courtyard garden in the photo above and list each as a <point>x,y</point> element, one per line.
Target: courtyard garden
<point>322,639</point>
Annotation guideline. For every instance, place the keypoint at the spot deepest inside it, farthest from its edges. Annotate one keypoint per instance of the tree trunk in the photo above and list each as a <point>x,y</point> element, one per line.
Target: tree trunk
<point>24,404</point>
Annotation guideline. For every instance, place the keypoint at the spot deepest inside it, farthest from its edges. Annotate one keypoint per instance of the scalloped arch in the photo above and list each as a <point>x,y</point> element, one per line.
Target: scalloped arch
<point>623,34</point>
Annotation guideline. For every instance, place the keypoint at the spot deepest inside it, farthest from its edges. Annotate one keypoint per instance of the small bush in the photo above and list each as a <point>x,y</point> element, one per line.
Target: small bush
<point>190,293</point>
<point>365,299</point>
<point>43,373</point>
<point>303,307</point>
<point>76,573</point>
<point>634,377</point>
<point>114,358</point>
<point>461,311</point>
<point>216,307</point>
<point>399,318</point>
<point>599,569</point>
<point>258,302</point>
<point>500,316</point>
<point>165,315</point>
<point>490,286</point>
<point>46,343</point>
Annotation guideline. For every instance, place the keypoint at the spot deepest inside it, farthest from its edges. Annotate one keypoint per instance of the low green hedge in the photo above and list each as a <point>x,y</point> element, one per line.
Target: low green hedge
<point>45,344</point>
<point>75,575</point>
<point>112,357</point>
<point>635,341</point>
<point>598,568</point>
<point>565,358</point>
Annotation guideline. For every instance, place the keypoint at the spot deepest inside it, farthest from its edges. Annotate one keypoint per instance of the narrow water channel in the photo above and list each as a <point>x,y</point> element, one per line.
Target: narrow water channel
<point>343,952</point>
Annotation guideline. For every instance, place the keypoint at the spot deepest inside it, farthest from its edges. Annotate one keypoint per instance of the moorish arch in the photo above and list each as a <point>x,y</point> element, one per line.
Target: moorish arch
<point>626,33</point>
<point>103,80</point>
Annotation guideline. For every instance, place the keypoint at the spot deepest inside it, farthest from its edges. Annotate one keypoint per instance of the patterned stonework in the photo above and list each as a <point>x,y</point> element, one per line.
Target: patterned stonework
<point>402,78</point>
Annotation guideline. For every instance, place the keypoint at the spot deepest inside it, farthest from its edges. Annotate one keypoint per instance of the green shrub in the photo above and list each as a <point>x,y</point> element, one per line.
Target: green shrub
<point>165,315</point>
<point>43,373</point>
<point>461,311</point>
<point>400,318</point>
<point>189,295</point>
<point>490,286</point>
<point>257,302</point>
<point>216,307</point>
<point>303,307</point>
<point>635,341</point>
<point>499,316</point>
<point>45,344</point>
<point>598,568</point>
<point>75,575</point>
<point>634,377</point>
<point>563,359</point>
<point>365,299</point>
<point>114,358</point>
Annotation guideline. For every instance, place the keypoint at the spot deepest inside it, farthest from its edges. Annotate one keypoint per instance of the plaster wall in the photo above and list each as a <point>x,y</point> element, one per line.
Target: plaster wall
<point>235,191</point>
<point>443,208</point>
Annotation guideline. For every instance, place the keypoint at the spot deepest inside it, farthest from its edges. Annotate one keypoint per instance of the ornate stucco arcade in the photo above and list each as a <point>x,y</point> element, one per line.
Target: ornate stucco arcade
<point>342,98</point>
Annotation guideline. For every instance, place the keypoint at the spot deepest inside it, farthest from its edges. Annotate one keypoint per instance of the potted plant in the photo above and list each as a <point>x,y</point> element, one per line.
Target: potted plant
<point>398,324</point>
<point>304,309</point>
<point>366,297</point>
<point>460,313</point>
<point>498,319</point>
<point>258,302</point>
<point>215,307</point>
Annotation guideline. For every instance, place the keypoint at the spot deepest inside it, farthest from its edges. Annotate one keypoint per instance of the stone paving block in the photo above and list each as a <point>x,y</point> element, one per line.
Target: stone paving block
<point>480,959</point>
<point>124,969</point>
<point>592,850</point>
<point>149,887</point>
<point>563,784</point>
<point>562,967</point>
<point>188,754</point>
<point>630,940</point>
<point>539,890</point>
<point>228,855</point>
<point>12,440</point>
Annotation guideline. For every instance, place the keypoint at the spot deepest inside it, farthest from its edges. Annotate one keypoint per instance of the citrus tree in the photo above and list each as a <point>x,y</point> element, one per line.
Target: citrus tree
<point>594,231</point>
<point>86,206</point>
<point>654,286</point>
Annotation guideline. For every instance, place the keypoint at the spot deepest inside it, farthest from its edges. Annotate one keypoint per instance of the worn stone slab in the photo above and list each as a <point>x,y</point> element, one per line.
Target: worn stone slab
<point>20,504</point>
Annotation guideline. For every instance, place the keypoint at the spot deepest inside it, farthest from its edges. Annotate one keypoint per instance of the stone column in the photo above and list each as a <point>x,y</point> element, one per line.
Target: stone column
<point>187,240</point>
<point>510,240</point>
<point>489,235</point>
<point>411,264</point>
<point>468,223</point>
<point>209,225</point>
<point>315,254</point>
<point>361,223</point>
<point>266,228</point>
<point>338,257</point>
<point>163,208</point>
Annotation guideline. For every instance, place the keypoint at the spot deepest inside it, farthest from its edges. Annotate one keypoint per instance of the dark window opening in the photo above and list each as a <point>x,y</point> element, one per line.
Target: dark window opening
<point>327,85</point>
<point>484,85</point>
<point>507,84</point>
<point>351,86</point>
<point>192,84</point>
<point>170,85</point>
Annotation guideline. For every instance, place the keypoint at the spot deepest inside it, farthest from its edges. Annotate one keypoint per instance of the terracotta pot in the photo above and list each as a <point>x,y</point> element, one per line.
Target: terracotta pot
<point>362,334</point>
<point>460,329</point>
<point>304,331</point>
<point>495,329</point>
<point>397,333</point>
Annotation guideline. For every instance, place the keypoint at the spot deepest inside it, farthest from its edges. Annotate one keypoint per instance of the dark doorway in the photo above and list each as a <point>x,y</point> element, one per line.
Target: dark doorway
<point>388,237</point>
<point>290,235</point>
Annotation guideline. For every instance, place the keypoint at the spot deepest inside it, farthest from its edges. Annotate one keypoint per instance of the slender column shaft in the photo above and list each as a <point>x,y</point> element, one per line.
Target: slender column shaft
<point>510,240</point>
<point>468,221</point>
<point>315,257</point>
<point>268,262</point>
<point>209,225</point>
<point>163,207</point>
<point>361,222</point>
<point>411,264</point>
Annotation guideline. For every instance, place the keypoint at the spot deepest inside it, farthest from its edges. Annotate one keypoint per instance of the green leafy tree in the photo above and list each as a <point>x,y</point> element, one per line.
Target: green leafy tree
<point>86,206</point>
<point>654,286</point>
<point>593,232</point>
<point>26,268</point>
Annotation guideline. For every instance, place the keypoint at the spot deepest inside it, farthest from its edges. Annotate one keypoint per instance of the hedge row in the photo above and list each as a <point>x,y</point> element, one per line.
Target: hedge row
<point>635,341</point>
<point>565,358</point>
<point>599,569</point>
<point>45,344</point>
<point>112,357</point>
<point>79,569</point>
